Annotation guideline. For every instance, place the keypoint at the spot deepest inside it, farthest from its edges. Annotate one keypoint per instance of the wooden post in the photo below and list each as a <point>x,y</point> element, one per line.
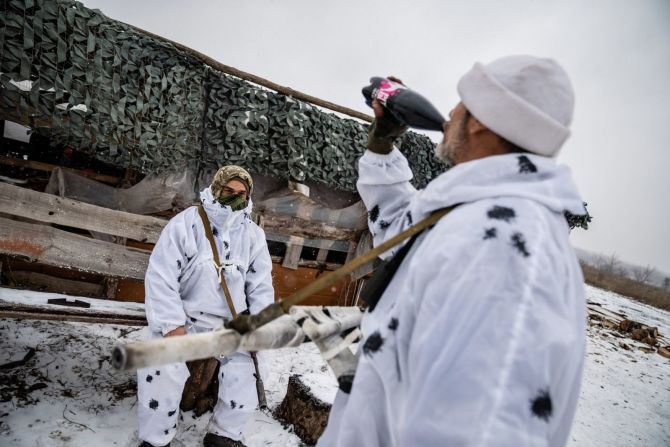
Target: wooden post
<point>293,251</point>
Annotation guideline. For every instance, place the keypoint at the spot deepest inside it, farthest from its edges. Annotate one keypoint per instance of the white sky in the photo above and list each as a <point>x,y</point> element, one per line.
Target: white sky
<point>617,53</point>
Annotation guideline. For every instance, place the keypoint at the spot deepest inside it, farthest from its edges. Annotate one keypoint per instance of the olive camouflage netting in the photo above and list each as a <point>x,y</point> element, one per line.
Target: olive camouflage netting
<point>136,101</point>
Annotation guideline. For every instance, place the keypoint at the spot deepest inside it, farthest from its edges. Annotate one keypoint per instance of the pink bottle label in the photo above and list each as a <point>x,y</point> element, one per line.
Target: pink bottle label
<point>386,90</point>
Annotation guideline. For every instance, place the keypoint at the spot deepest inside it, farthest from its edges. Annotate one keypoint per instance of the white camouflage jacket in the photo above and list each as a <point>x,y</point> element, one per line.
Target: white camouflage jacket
<point>182,285</point>
<point>479,338</point>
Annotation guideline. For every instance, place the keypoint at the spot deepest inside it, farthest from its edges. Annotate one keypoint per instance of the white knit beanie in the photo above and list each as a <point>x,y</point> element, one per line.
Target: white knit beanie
<point>524,99</point>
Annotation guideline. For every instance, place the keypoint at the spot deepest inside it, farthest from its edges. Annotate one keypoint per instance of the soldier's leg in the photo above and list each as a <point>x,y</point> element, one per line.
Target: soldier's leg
<point>159,391</point>
<point>237,396</point>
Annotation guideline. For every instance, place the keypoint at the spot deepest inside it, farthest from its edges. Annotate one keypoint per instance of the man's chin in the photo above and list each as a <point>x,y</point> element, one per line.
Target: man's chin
<point>442,153</point>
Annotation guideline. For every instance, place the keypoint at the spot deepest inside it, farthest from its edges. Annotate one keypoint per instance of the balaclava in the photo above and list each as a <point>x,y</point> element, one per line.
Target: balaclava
<point>222,177</point>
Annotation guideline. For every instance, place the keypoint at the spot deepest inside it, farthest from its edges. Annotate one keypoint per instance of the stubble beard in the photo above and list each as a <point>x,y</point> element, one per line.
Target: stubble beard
<point>453,150</point>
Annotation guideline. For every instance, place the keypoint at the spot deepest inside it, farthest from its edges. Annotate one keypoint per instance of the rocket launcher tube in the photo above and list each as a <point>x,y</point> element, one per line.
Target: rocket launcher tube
<point>279,333</point>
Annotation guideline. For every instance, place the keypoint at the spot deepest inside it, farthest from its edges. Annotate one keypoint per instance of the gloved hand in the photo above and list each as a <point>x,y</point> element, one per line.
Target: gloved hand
<point>383,130</point>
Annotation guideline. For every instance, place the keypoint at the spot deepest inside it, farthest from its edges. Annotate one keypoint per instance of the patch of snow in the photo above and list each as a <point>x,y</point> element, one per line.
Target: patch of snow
<point>625,395</point>
<point>624,401</point>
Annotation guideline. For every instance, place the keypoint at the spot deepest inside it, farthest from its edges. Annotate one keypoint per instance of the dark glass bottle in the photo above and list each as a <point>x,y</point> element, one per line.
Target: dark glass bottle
<point>407,106</point>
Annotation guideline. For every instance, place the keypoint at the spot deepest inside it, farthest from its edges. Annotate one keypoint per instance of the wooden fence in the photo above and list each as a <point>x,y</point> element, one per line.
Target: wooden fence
<point>53,231</point>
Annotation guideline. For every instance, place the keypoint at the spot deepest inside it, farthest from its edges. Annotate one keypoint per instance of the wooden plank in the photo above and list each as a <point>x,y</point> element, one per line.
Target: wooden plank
<point>70,317</point>
<point>47,167</point>
<point>48,283</point>
<point>321,255</point>
<point>293,251</point>
<point>287,281</point>
<point>296,226</point>
<point>52,209</point>
<point>342,246</point>
<point>364,245</point>
<point>48,245</point>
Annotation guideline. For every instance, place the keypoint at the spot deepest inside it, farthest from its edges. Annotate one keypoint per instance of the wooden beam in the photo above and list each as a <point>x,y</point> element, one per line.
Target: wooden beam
<point>53,209</point>
<point>293,251</point>
<point>257,79</point>
<point>47,167</point>
<point>48,283</point>
<point>48,245</point>
<point>70,317</point>
<point>364,244</point>
<point>310,264</point>
<point>310,229</point>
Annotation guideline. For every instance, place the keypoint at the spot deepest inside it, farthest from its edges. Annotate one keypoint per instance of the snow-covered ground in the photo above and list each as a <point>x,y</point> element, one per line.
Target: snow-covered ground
<point>67,394</point>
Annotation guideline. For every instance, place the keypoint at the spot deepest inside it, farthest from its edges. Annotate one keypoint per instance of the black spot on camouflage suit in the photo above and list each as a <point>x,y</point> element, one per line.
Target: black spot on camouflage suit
<point>393,324</point>
<point>501,213</point>
<point>226,245</point>
<point>374,213</point>
<point>215,232</point>
<point>525,165</point>
<point>373,343</point>
<point>384,225</point>
<point>490,233</point>
<point>409,218</point>
<point>149,378</point>
<point>232,404</point>
<point>188,258</point>
<point>541,406</point>
<point>178,264</point>
<point>166,431</point>
<point>158,372</point>
<point>251,268</point>
<point>519,242</point>
<point>153,404</point>
<point>171,413</point>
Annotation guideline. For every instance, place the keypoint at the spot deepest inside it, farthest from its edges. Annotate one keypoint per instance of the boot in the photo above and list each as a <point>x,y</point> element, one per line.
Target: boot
<point>212,440</point>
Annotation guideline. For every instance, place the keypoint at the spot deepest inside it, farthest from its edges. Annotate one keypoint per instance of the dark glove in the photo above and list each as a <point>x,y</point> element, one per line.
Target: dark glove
<point>383,132</point>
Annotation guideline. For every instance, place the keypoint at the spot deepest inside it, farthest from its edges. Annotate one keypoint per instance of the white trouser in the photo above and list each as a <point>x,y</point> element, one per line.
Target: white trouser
<point>159,391</point>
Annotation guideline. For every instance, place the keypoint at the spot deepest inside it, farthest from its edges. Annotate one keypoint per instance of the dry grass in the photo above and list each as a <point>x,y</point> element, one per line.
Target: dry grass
<point>654,296</point>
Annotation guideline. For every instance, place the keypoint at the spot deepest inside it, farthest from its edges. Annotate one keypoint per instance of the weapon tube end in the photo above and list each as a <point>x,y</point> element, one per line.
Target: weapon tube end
<point>345,382</point>
<point>119,357</point>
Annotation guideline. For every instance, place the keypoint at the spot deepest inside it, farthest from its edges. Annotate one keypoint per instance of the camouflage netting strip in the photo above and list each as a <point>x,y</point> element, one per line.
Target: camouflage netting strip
<point>138,102</point>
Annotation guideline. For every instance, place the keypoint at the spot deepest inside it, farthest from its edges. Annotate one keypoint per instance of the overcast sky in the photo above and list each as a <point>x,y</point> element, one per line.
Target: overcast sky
<point>617,53</point>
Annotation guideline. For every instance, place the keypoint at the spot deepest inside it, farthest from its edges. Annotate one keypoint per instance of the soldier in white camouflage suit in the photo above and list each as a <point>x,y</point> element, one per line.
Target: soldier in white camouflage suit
<point>479,338</point>
<point>184,295</point>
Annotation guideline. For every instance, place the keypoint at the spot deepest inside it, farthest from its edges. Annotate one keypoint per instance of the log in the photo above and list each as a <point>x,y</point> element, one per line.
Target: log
<point>48,283</point>
<point>202,386</point>
<point>300,408</point>
<point>57,210</point>
<point>81,318</point>
<point>51,246</point>
<point>47,167</point>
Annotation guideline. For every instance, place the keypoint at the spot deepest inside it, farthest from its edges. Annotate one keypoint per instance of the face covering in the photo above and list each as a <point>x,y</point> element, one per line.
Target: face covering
<point>234,201</point>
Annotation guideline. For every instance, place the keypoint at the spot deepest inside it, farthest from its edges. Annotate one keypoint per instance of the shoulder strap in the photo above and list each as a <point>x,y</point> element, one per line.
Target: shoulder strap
<point>215,254</point>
